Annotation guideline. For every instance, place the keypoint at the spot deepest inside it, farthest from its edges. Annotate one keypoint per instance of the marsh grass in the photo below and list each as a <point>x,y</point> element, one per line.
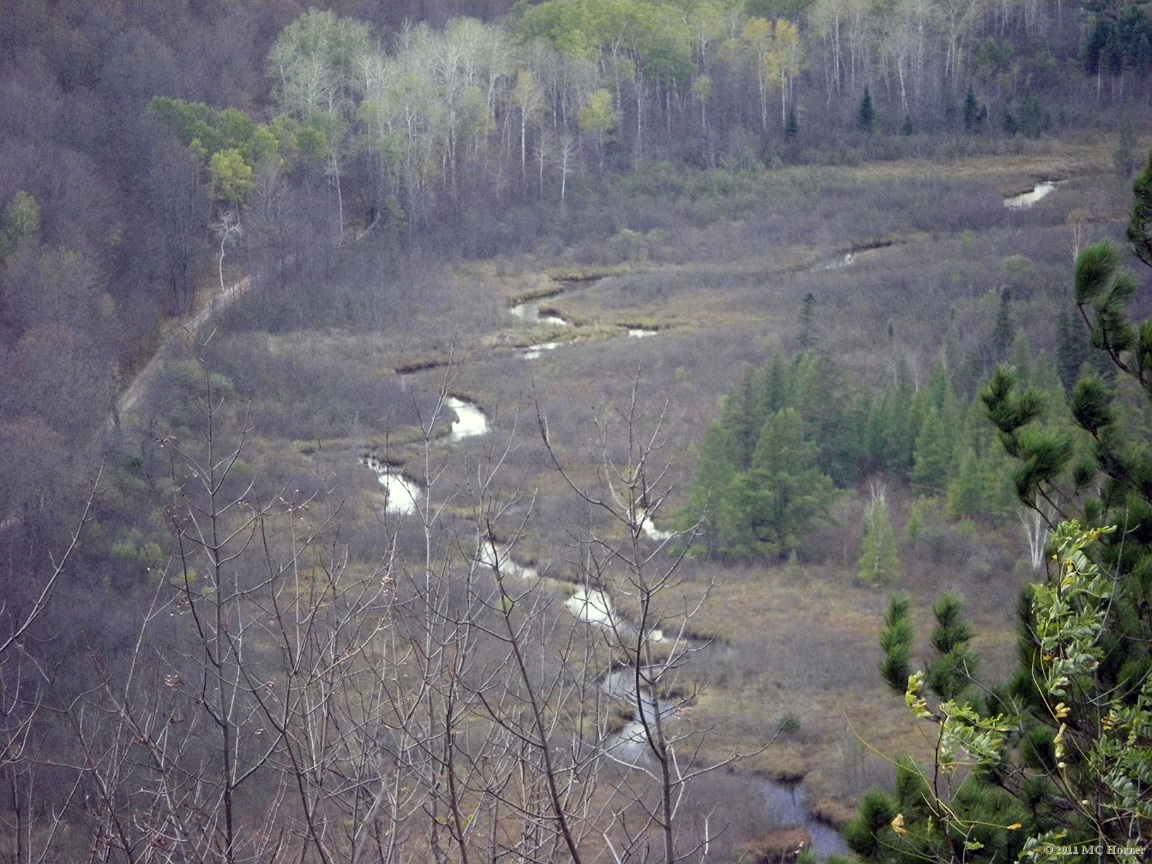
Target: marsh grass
<point>719,266</point>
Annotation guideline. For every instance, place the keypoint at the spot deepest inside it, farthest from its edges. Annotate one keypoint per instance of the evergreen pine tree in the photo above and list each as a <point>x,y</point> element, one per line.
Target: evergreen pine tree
<point>939,433</point>
<point>1140,223</point>
<point>1112,55</point>
<point>812,384</point>
<point>778,389</point>
<point>783,493</point>
<point>1009,123</point>
<point>866,115</point>
<point>1092,48</point>
<point>966,491</point>
<point>742,417</point>
<point>977,814</point>
<point>1003,331</point>
<point>954,669</point>
<point>889,436</point>
<point>1034,120</point>
<point>1060,753</point>
<point>806,338</point>
<point>981,483</point>
<point>896,640</point>
<point>935,447</point>
<point>709,501</point>
<point>971,111</point>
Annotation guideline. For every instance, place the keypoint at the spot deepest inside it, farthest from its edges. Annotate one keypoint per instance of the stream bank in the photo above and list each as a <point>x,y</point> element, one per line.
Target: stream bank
<point>784,803</point>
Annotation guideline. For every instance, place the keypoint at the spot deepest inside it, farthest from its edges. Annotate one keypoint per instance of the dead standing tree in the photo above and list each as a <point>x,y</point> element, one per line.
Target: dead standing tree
<point>24,680</point>
<point>250,720</point>
<point>285,703</point>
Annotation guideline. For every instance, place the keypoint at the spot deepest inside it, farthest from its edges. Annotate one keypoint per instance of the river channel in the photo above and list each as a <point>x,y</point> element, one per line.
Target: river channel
<point>1026,199</point>
<point>784,803</point>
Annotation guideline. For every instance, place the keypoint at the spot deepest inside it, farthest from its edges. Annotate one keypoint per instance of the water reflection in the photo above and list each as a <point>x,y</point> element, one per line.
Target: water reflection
<point>1027,199</point>
<point>401,495</point>
<point>530,311</point>
<point>470,420</point>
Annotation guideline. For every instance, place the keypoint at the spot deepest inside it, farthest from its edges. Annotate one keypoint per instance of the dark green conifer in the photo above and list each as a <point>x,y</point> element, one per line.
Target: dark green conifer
<point>896,640</point>
<point>806,339</point>
<point>966,491</point>
<point>1003,331</point>
<point>743,417</point>
<point>889,431</point>
<point>1034,120</point>
<point>1071,350</point>
<point>712,486</point>
<point>971,111</point>
<point>1078,708</point>
<point>783,492</point>
<point>913,832</point>
<point>954,669</point>
<point>1140,224</point>
<point>935,447</point>
<point>866,114</point>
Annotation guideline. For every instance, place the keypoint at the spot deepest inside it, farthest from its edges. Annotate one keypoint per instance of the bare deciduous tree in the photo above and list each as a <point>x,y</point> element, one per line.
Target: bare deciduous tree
<point>285,702</point>
<point>32,820</point>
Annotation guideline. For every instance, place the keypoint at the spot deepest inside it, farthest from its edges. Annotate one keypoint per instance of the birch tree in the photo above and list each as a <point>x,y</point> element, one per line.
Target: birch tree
<point>320,63</point>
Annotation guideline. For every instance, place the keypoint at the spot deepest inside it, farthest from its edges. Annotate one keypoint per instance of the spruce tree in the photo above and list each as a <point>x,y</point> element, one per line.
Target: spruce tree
<point>742,417</point>
<point>1034,120</point>
<point>896,641</point>
<point>1059,755</point>
<point>1003,334</point>
<point>971,825</point>
<point>1071,350</point>
<point>866,115</point>
<point>981,484</point>
<point>935,448</point>
<point>966,491</point>
<point>938,435</point>
<point>709,501</point>
<point>971,111</point>
<point>889,438</point>
<point>806,338</point>
<point>1009,123</point>
<point>834,417</point>
<point>778,390</point>
<point>783,493</point>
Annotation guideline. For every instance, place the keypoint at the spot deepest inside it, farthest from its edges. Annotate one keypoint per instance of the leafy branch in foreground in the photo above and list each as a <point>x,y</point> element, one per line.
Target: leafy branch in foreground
<point>1017,780</point>
<point>1056,764</point>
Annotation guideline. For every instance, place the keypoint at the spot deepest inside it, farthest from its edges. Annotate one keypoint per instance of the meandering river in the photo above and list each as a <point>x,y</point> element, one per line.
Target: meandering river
<point>784,803</point>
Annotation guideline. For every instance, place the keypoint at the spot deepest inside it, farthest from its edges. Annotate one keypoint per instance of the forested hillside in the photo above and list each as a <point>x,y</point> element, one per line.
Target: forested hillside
<point>467,429</point>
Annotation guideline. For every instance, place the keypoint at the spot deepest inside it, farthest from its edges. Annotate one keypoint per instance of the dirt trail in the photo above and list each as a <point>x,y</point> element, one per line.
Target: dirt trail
<point>187,329</point>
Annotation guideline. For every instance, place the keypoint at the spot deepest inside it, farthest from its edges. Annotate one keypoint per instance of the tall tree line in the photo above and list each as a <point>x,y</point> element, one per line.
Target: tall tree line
<point>1053,762</point>
<point>797,428</point>
<point>421,119</point>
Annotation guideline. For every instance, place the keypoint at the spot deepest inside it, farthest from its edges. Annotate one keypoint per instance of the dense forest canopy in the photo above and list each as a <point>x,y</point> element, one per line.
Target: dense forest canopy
<point>417,121</point>
<point>231,241</point>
